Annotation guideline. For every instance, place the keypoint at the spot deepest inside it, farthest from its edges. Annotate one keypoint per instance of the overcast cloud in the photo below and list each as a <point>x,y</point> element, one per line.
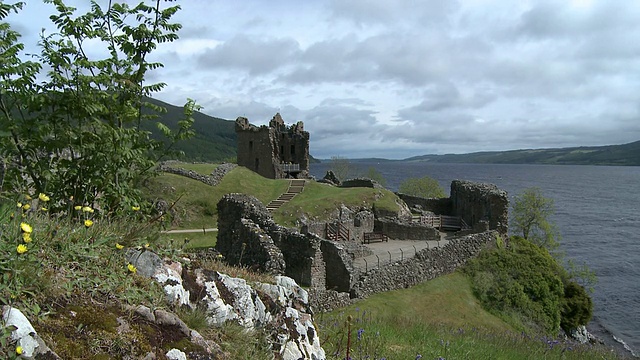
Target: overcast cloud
<point>395,79</point>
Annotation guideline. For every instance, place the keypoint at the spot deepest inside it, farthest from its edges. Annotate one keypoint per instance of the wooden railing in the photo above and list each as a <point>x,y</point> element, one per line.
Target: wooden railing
<point>290,167</point>
<point>337,232</point>
<point>442,222</point>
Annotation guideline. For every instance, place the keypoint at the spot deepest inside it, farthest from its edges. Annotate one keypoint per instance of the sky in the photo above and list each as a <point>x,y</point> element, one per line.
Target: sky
<point>395,79</point>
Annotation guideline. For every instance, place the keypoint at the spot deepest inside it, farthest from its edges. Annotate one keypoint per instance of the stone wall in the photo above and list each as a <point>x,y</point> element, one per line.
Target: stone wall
<point>437,206</point>
<point>425,265</point>
<point>402,230</point>
<point>361,182</point>
<point>214,179</point>
<point>247,235</point>
<point>263,149</point>
<point>474,202</point>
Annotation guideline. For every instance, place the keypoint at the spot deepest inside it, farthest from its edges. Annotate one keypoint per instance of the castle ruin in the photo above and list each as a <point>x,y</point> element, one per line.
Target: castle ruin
<point>276,151</point>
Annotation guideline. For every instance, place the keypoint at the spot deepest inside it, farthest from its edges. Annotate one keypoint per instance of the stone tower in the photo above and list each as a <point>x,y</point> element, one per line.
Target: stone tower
<point>276,151</point>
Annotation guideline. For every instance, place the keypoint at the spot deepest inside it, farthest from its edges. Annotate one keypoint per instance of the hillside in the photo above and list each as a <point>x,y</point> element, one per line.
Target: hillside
<point>626,154</point>
<point>215,138</point>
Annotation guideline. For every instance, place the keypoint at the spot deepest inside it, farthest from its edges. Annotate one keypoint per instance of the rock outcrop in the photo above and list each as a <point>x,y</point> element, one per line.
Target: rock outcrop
<point>282,309</point>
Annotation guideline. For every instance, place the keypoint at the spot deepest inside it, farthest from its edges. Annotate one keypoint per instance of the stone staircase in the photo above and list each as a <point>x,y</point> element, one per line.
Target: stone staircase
<point>295,187</point>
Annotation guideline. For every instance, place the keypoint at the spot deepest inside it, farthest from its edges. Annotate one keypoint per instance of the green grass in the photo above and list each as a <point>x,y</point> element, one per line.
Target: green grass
<point>200,168</point>
<point>318,201</point>
<point>437,319</point>
<point>195,202</point>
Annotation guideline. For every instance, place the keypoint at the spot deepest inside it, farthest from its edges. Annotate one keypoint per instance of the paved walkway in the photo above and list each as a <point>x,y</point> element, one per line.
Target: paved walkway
<point>395,250</point>
<point>184,231</point>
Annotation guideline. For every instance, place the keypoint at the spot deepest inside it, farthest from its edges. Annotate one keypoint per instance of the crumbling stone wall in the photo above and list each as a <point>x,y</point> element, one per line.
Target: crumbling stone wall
<point>425,265</point>
<point>403,230</point>
<point>361,182</point>
<point>474,202</point>
<point>264,149</point>
<point>441,206</point>
<point>248,235</point>
<point>214,179</point>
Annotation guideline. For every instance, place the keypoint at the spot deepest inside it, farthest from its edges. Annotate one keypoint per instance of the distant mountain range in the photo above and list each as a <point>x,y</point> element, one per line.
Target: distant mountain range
<point>626,154</point>
<point>215,141</point>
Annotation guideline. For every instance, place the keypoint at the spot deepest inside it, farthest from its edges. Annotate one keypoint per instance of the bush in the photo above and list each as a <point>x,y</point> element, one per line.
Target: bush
<point>577,308</point>
<point>520,278</point>
<point>424,187</point>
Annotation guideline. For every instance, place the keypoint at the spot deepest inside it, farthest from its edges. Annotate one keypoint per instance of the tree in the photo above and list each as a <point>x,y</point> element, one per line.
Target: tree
<point>77,135</point>
<point>341,167</point>
<point>425,187</point>
<point>531,218</point>
<point>374,174</point>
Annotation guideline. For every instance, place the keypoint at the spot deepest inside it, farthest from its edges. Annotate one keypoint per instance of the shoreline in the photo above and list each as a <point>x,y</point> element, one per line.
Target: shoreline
<point>606,337</point>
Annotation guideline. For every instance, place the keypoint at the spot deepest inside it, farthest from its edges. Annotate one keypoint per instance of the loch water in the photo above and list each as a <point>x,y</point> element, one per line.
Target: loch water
<point>597,213</point>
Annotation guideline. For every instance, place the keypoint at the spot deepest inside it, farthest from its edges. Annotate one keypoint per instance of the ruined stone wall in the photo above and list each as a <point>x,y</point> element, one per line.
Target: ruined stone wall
<point>425,265</point>
<point>248,235</point>
<point>400,230</point>
<point>474,202</point>
<point>214,179</point>
<point>437,206</point>
<point>341,275</point>
<point>241,238</point>
<point>361,182</point>
<point>255,148</point>
<point>263,149</point>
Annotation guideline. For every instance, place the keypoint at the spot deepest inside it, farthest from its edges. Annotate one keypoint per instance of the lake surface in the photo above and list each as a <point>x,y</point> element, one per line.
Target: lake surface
<point>597,213</point>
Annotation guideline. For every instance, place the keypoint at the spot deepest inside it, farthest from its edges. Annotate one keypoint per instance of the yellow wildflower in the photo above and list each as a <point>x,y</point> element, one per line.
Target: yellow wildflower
<point>77,208</point>
<point>28,197</point>
<point>21,249</point>
<point>19,204</point>
<point>43,197</point>
<point>26,228</point>
<point>26,237</point>
<point>44,209</point>
<point>88,223</point>
<point>119,247</point>
<point>87,209</point>
<point>19,350</point>
<point>135,208</point>
<point>146,245</point>
<point>132,268</point>
<point>26,207</point>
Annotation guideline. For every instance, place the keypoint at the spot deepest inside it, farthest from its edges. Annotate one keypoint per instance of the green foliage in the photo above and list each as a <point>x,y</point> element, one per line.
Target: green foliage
<point>530,217</point>
<point>425,187</point>
<point>577,308</point>
<point>374,174</point>
<point>522,278</point>
<point>342,168</point>
<point>437,319</point>
<point>77,136</point>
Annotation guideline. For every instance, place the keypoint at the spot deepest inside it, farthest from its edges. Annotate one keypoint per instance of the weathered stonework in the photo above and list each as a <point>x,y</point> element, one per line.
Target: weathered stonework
<point>247,235</point>
<point>441,206</point>
<point>403,230</point>
<point>474,202</point>
<point>425,265</point>
<point>268,150</point>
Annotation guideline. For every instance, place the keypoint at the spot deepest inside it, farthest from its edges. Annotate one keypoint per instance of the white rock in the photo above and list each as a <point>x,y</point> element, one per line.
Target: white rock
<point>250,309</point>
<point>170,276</point>
<point>175,354</point>
<point>292,288</point>
<point>24,335</point>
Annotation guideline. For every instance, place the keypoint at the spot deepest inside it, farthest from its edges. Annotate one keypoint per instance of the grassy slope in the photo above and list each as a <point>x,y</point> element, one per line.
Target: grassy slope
<point>197,201</point>
<point>437,319</point>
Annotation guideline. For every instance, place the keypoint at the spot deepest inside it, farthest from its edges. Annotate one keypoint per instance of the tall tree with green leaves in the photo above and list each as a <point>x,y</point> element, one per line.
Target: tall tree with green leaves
<point>77,134</point>
<point>531,218</point>
<point>424,187</point>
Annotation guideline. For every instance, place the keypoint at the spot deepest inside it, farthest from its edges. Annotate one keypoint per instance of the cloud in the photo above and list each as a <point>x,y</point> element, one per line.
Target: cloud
<point>252,55</point>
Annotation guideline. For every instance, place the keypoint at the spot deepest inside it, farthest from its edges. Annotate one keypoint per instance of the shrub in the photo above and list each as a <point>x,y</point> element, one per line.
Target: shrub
<point>523,278</point>
<point>424,187</point>
<point>577,308</point>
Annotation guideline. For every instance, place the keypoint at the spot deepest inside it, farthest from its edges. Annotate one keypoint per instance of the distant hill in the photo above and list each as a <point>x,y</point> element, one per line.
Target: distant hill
<point>626,154</point>
<point>215,138</point>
